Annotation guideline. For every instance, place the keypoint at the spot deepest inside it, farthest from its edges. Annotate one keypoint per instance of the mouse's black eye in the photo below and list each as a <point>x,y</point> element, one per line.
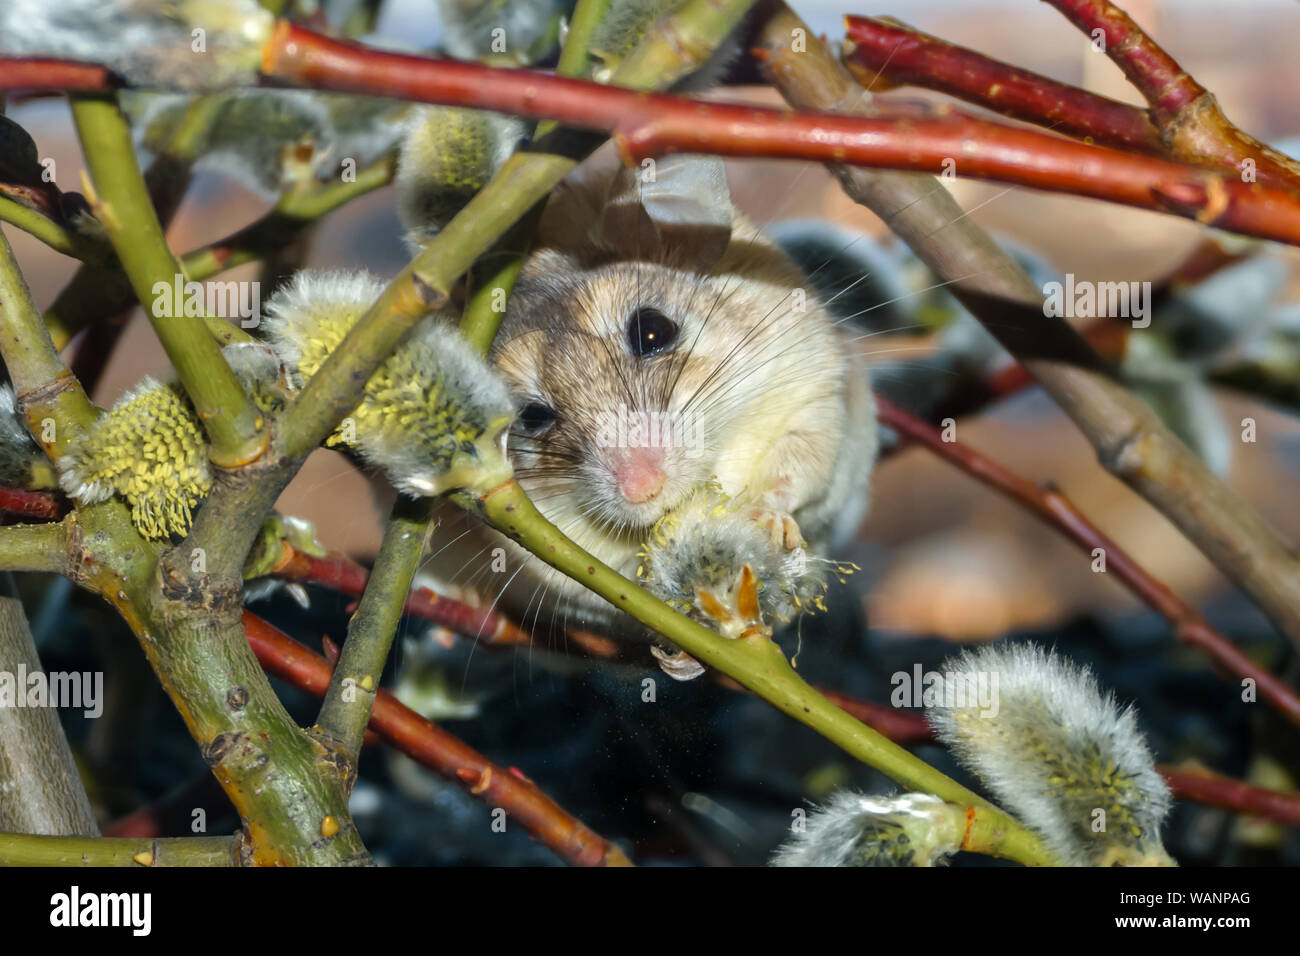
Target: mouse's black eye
<point>536,419</point>
<point>650,332</point>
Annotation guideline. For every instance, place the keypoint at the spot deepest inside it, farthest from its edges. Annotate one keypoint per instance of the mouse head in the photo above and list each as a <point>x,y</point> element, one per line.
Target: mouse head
<point>628,340</point>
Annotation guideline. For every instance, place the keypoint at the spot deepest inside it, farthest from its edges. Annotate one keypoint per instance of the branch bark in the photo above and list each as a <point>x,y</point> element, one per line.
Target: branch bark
<point>1129,438</point>
<point>345,711</point>
<point>438,750</point>
<point>23,850</point>
<point>38,776</point>
<point>1188,116</point>
<point>1056,510</point>
<point>881,52</point>
<point>124,207</point>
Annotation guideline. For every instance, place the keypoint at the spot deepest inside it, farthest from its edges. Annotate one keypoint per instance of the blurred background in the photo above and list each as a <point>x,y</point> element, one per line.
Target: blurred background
<point>708,776</point>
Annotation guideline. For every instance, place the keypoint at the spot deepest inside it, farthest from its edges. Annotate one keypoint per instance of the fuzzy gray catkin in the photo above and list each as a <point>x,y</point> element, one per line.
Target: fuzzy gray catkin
<point>1064,758</point>
<point>853,829</point>
<point>172,44</point>
<point>432,417</point>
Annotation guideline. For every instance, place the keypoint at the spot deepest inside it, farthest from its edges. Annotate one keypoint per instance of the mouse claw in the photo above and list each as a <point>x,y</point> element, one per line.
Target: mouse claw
<point>781,526</point>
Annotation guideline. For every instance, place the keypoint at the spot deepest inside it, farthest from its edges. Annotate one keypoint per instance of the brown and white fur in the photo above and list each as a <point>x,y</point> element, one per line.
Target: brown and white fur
<point>768,391</point>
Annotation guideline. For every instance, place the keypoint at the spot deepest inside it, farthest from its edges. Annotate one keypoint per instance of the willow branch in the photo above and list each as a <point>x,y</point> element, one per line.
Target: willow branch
<point>576,52</point>
<point>438,750</point>
<point>1224,793</point>
<point>346,708</point>
<point>1129,439</point>
<point>45,389</point>
<point>655,124</point>
<point>17,849</point>
<point>755,663</point>
<point>645,126</point>
<point>1056,510</point>
<point>32,504</point>
<point>98,290</point>
<point>42,790</point>
<point>50,75</point>
<point>881,52</point>
<point>1187,115</point>
<point>40,226</point>
<point>123,206</point>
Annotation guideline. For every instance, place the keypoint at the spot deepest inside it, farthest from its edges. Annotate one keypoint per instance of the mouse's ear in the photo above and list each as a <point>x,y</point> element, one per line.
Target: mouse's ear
<point>676,209</point>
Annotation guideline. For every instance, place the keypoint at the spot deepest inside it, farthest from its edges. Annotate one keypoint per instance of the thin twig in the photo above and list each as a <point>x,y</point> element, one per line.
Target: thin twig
<point>1058,512</point>
<point>1186,113</point>
<point>345,710</point>
<point>882,52</point>
<point>1129,438</point>
<point>124,207</point>
<point>438,750</point>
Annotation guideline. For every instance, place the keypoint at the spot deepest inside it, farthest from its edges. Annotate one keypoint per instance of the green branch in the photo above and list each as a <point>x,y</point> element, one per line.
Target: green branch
<point>45,388</point>
<point>575,57</point>
<point>296,210</point>
<point>345,712</point>
<point>36,547</point>
<point>22,849</point>
<point>54,235</point>
<point>123,206</point>
<point>757,664</point>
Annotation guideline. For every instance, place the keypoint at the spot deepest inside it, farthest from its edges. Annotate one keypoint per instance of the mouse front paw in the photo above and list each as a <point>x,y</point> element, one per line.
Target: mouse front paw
<point>780,526</point>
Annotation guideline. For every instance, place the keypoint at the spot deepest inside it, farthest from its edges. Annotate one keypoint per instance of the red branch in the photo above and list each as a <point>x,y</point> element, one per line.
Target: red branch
<point>1213,790</point>
<point>882,51</point>
<point>1193,786</point>
<point>1187,115</point>
<point>1049,504</point>
<point>902,727</point>
<point>645,124</point>
<point>1155,74</point>
<point>340,573</point>
<point>32,504</point>
<point>47,75</point>
<point>490,783</point>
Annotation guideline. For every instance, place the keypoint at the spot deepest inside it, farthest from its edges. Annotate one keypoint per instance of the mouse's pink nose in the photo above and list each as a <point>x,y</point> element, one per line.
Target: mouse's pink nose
<point>640,475</point>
